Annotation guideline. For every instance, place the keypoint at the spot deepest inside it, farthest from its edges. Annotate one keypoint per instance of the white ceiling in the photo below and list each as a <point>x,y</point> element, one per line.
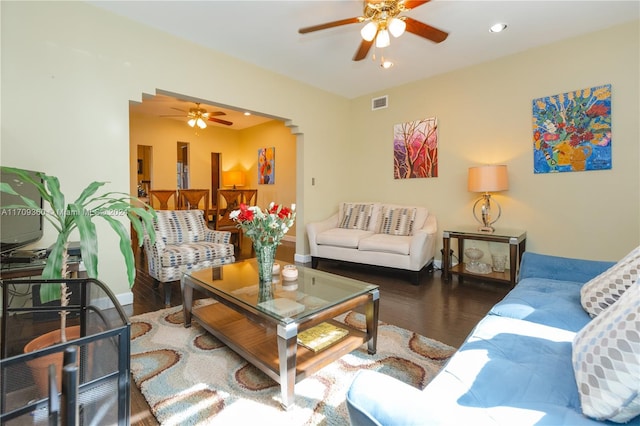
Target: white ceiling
<point>265,33</point>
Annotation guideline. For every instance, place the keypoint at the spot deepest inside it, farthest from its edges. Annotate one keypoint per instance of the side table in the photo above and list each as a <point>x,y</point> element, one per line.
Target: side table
<point>515,238</point>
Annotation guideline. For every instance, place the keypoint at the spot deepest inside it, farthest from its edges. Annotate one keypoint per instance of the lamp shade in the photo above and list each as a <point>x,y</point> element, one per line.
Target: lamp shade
<point>382,39</point>
<point>368,32</point>
<point>488,178</point>
<point>397,27</point>
<point>233,178</point>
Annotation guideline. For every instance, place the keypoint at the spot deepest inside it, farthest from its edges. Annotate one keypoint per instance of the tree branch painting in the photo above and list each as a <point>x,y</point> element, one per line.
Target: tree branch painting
<point>415,149</point>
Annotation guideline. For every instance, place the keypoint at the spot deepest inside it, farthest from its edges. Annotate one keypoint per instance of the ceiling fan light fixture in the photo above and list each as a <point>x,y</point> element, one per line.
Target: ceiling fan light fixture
<point>192,122</point>
<point>397,27</point>
<point>368,32</point>
<point>496,28</point>
<point>386,64</point>
<point>382,40</point>
<point>200,122</point>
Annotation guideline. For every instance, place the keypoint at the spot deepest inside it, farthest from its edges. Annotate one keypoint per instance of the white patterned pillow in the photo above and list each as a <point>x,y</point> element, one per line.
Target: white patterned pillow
<point>356,216</point>
<point>397,220</point>
<point>603,290</point>
<point>606,361</point>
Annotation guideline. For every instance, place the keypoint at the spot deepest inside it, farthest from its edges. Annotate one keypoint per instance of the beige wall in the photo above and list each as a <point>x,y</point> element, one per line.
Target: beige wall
<point>80,66</point>
<point>484,117</point>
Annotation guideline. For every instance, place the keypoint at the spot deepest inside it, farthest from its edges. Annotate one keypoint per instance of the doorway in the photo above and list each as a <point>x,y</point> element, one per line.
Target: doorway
<point>215,178</point>
<point>144,167</point>
<point>183,165</point>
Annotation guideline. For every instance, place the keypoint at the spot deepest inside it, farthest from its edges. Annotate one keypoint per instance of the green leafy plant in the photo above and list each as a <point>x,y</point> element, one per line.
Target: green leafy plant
<point>79,215</point>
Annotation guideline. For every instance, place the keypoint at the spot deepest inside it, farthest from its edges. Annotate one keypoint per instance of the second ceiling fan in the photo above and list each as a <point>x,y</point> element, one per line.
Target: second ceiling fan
<point>199,116</point>
<point>383,17</point>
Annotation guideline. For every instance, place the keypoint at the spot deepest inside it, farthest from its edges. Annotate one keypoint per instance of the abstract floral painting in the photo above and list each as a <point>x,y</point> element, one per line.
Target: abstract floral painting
<point>415,149</point>
<point>267,166</point>
<point>572,131</point>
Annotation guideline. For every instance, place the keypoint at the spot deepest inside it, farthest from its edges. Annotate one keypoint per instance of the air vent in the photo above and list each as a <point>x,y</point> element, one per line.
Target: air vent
<point>379,103</point>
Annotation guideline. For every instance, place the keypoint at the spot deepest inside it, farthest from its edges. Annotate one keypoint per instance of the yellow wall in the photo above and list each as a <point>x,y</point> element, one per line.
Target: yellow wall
<point>272,134</point>
<point>80,66</point>
<point>238,149</point>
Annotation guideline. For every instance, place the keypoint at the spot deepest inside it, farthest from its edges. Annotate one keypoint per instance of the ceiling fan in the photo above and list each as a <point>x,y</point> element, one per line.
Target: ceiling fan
<point>199,116</point>
<point>383,17</point>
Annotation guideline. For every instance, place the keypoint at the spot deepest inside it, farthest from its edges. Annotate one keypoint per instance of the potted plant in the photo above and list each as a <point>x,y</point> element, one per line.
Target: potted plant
<point>79,215</point>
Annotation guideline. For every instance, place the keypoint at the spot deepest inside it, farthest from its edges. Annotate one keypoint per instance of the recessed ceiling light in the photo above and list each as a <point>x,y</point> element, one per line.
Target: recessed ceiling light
<point>386,64</point>
<point>247,113</point>
<point>496,28</point>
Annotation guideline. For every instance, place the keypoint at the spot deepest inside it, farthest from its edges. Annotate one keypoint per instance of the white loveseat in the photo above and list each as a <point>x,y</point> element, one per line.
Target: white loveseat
<point>374,233</point>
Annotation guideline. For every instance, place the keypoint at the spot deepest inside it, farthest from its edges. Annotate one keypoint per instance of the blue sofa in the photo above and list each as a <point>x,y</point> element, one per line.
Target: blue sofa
<point>515,367</point>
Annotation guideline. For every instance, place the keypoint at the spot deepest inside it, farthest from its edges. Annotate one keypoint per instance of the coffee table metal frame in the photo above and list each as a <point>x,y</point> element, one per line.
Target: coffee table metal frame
<point>269,341</point>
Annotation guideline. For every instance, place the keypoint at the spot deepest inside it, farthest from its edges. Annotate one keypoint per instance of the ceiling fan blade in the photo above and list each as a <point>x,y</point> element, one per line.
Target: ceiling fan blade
<point>214,113</point>
<point>218,120</point>
<point>412,4</point>
<point>329,25</point>
<point>363,49</point>
<point>426,31</point>
<point>178,109</point>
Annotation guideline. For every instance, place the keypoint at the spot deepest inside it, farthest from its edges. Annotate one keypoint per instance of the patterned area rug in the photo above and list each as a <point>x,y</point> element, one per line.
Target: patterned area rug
<point>188,377</point>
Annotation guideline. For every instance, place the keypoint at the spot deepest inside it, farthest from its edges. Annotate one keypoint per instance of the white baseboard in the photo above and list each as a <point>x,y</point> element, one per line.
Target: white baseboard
<point>125,298</point>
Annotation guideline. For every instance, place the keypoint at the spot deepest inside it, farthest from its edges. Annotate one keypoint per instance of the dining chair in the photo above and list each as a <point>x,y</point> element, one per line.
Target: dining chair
<point>163,196</point>
<point>192,199</point>
<point>229,200</point>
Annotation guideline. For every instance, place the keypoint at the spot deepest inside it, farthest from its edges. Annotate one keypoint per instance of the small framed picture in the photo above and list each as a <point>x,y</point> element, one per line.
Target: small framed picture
<point>267,166</point>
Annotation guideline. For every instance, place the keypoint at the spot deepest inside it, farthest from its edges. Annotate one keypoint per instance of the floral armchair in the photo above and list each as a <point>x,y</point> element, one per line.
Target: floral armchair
<point>184,243</point>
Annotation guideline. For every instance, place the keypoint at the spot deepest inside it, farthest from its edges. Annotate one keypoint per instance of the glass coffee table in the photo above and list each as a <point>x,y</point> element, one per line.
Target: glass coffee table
<point>263,327</point>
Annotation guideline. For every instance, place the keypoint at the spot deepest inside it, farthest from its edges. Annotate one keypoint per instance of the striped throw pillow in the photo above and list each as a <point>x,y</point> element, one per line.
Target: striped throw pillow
<point>356,216</point>
<point>397,220</point>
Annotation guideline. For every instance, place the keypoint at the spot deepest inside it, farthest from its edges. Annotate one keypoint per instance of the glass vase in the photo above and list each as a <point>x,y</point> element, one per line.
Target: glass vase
<point>265,255</point>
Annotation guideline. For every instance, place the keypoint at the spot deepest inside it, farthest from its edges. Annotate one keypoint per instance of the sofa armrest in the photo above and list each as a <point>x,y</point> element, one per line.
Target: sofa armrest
<point>423,243</point>
<point>560,268</point>
<point>430,225</point>
<point>314,228</point>
<point>220,237</point>
<point>158,245</point>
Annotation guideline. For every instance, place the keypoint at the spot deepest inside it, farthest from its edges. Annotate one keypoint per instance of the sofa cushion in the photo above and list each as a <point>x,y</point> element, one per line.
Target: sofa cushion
<point>545,301</point>
<point>543,266</point>
<point>602,291</point>
<point>606,361</point>
<point>508,372</point>
<point>193,253</point>
<point>356,216</point>
<point>386,243</point>
<point>179,226</point>
<point>340,237</point>
<point>397,220</point>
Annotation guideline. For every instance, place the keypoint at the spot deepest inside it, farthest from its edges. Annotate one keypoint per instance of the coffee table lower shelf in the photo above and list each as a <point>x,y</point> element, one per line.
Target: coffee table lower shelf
<point>258,342</point>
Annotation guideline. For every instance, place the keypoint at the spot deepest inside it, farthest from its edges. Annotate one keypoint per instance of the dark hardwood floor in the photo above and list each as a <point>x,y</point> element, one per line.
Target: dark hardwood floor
<point>442,311</point>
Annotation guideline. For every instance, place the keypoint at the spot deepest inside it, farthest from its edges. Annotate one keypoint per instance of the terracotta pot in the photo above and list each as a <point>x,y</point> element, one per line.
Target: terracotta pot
<point>40,366</point>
